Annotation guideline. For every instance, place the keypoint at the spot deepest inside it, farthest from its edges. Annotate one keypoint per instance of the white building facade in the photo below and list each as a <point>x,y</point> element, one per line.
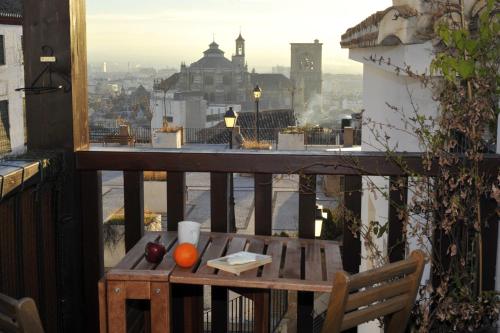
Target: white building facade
<point>393,38</point>
<point>12,115</point>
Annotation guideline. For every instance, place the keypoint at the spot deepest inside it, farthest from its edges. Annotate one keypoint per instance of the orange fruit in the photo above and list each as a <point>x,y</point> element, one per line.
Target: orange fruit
<point>185,255</point>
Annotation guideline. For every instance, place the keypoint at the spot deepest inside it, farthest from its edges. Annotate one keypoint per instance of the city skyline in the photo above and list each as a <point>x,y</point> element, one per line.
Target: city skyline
<point>180,31</point>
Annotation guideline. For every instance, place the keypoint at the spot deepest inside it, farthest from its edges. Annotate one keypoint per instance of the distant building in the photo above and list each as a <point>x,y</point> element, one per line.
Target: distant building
<point>188,110</point>
<point>281,70</point>
<point>216,112</point>
<point>12,117</point>
<point>306,72</point>
<point>277,91</point>
<point>220,80</point>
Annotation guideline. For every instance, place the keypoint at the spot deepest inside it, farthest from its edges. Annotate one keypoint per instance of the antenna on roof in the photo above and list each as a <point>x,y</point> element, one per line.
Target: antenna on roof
<point>213,37</point>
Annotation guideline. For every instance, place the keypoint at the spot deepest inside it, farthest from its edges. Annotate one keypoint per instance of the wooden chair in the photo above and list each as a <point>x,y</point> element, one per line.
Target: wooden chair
<point>389,292</point>
<point>19,316</point>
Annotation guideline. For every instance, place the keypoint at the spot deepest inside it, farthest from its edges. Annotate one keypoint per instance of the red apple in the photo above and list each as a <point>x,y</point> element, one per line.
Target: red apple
<point>154,252</point>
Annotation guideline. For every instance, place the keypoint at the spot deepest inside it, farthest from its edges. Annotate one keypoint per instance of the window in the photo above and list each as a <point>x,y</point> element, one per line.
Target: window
<point>2,50</point>
<point>4,127</point>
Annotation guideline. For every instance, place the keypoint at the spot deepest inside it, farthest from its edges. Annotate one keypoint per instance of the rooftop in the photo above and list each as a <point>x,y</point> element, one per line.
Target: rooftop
<point>11,9</point>
<point>406,22</point>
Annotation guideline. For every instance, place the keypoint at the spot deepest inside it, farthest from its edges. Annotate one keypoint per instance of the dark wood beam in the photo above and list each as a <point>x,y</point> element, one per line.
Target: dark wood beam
<point>58,121</point>
<point>133,195</point>
<point>275,162</point>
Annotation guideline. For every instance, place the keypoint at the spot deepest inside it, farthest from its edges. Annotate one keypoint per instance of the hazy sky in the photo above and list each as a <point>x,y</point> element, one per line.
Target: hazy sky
<point>166,32</point>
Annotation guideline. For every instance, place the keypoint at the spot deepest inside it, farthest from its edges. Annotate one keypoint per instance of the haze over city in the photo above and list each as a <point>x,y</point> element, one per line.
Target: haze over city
<point>164,33</point>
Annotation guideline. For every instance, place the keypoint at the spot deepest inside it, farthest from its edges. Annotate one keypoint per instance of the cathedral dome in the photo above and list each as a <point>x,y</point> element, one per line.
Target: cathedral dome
<point>213,58</point>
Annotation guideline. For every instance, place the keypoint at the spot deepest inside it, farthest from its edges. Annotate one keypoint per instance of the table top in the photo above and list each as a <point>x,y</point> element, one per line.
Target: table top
<point>298,264</point>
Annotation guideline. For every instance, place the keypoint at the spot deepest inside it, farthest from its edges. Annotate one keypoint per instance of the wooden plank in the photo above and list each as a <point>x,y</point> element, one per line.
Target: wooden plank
<point>103,310</point>
<point>398,196</point>
<point>262,320</point>
<point>355,318</point>
<point>219,202</point>
<point>49,293</point>
<point>220,221</point>
<point>160,307</point>
<point>307,206</point>
<point>351,250</point>
<point>274,162</point>
<point>93,247</point>
<point>137,252</point>
<point>263,184</point>
<point>167,240</point>
<point>216,249</point>
<point>307,217</point>
<point>137,290</point>
<point>313,266</point>
<point>291,269</point>
<point>29,244</point>
<point>9,269</point>
<point>176,198</point>
<point>133,195</point>
<point>117,321</point>
<point>272,270</point>
<point>333,260</point>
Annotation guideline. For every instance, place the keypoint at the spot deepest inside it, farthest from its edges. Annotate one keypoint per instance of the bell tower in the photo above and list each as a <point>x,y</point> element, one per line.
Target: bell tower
<point>240,46</point>
<point>239,55</point>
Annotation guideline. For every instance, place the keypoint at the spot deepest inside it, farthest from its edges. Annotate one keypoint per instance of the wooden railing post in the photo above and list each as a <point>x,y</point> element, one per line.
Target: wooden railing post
<point>176,198</point>
<point>398,197</point>
<point>133,194</point>
<point>220,222</point>
<point>307,216</point>
<point>92,239</point>
<point>351,249</point>
<point>263,185</point>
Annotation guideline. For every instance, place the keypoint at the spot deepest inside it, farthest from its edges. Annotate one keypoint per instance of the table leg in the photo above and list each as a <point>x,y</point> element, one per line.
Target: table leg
<point>219,309</point>
<point>117,321</point>
<point>305,310</point>
<point>160,307</point>
<point>261,301</point>
<point>187,308</point>
<point>103,310</point>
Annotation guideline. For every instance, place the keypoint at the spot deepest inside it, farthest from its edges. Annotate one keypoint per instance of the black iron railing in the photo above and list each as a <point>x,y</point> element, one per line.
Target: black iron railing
<point>241,317</point>
<point>220,135</point>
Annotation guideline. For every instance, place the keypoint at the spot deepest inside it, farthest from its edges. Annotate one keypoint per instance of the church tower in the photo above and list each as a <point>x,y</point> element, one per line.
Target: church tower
<point>239,55</point>
<point>306,72</point>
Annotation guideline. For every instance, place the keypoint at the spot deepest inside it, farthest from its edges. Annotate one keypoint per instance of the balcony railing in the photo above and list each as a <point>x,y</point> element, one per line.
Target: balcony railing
<point>31,220</point>
<point>263,164</point>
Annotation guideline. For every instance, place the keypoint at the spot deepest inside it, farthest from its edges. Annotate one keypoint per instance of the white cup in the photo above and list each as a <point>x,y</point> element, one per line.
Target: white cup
<point>189,232</point>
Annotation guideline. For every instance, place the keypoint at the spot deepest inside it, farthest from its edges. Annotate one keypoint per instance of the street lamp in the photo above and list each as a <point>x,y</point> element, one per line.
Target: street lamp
<point>230,120</point>
<point>257,93</point>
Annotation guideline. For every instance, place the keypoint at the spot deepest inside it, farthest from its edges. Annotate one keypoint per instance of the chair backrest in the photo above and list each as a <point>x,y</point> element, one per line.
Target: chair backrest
<point>389,292</point>
<point>19,315</point>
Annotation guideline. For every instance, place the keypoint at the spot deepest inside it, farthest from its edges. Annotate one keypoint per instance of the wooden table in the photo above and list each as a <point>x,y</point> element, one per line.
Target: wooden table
<point>298,264</point>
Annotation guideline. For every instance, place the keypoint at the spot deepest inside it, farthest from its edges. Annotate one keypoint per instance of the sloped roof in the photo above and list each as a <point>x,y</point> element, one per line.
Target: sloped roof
<point>406,22</point>
<point>11,9</point>
<point>368,33</point>
<point>271,81</point>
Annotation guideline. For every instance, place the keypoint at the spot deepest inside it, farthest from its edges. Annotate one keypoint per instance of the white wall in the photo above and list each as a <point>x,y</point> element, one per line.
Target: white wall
<point>11,78</point>
<point>174,108</point>
<point>382,86</point>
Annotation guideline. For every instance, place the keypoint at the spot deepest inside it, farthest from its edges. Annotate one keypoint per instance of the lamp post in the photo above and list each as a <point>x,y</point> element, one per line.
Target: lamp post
<point>257,93</point>
<point>230,120</point>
